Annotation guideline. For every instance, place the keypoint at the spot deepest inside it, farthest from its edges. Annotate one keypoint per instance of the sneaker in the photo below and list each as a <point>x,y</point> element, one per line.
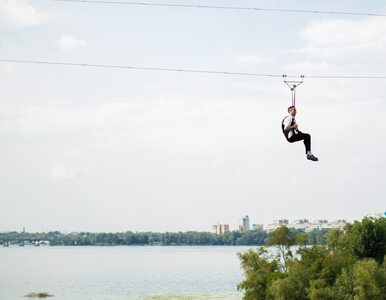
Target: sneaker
<point>312,157</point>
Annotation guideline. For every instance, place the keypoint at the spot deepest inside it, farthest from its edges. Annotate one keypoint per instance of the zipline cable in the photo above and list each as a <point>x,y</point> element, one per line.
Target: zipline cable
<point>224,7</point>
<point>138,68</point>
<point>41,62</point>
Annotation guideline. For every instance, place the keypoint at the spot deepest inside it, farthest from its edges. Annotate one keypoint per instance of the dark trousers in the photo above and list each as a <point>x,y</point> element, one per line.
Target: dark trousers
<point>300,136</point>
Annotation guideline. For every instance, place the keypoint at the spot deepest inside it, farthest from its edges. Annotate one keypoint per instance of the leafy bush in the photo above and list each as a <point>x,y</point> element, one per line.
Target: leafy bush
<point>351,266</point>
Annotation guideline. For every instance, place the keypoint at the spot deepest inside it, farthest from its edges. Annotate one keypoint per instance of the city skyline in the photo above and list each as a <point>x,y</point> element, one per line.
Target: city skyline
<point>296,223</point>
<point>238,226</point>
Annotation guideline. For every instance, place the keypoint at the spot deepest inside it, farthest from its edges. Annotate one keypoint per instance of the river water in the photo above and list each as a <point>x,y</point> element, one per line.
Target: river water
<point>120,273</point>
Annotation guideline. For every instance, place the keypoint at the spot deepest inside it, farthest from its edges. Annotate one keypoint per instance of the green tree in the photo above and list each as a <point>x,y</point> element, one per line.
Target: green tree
<point>344,285</point>
<point>282,238</point>
<point>301,238</point>
<point>259,273</point>
<point>291,285</point>
<point>369,238</point>
<point>369,280</point>
<point>320,290</point>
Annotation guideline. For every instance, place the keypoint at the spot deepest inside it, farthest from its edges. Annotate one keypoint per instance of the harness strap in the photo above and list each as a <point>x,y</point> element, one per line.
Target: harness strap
<point>293,96</point>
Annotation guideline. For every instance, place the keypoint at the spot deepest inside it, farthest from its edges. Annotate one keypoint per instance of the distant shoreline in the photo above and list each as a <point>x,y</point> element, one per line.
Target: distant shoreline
<point>191,238</point>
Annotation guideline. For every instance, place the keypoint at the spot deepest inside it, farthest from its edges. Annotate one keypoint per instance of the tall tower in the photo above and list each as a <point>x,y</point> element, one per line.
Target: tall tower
<point>246,223</point>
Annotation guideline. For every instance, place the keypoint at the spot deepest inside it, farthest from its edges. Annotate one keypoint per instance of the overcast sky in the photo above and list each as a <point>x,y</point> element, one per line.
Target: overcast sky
<point>88,149</point>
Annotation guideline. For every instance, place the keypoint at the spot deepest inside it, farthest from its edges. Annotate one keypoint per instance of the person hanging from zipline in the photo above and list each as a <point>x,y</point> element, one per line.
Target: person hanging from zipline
<point>289,125</point>
<point>293,134</point>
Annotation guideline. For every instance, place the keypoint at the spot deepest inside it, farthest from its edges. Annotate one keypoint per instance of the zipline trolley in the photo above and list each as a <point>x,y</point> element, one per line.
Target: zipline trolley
<point>293,84</point>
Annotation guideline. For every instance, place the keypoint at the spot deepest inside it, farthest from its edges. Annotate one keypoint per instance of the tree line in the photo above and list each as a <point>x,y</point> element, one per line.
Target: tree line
<point>252,237</point>
<point>350,266</point>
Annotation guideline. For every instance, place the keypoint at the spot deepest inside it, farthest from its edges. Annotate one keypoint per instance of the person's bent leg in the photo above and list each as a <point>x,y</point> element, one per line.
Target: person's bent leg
<point>307,142</point>
<point>306,138</point>
<point>300,136</point>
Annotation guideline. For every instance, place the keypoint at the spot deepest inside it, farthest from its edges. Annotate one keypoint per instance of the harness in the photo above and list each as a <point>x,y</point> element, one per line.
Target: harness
<point>286,133</point>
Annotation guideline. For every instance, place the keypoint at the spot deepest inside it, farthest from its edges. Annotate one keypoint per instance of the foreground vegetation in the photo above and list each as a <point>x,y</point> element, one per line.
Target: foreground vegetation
<point>352,265</point>
<point>55,238</point>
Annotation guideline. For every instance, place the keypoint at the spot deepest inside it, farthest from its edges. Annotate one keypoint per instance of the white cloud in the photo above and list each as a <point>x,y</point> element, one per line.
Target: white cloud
<point>61,172</point>
<point>258,86</point>
<point>219,161</point>
<point>7,68</point>
<point>341,47</point>
<point>69,43</point>
<point>344,41</point>
<point>48,120</point>
<point>167,123</point>
<point>16,14</point>
<point>343,32</point>
<point>251,59</point>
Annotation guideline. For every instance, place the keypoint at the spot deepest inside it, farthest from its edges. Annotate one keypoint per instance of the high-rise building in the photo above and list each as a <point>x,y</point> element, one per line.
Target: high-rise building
<point>224,228</point>
<point>220,228</point>
<point>245,223</point>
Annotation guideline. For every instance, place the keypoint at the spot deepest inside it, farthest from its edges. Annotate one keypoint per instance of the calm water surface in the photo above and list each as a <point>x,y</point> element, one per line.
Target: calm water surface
<point>81,273</point>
